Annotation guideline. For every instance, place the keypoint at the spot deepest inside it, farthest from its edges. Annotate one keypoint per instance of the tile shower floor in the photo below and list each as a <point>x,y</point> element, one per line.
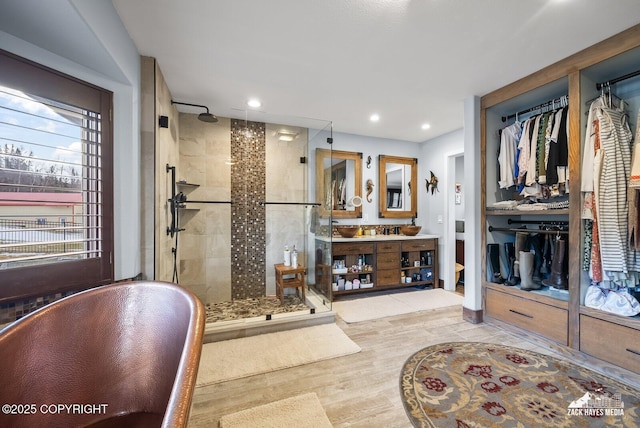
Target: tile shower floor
<point>255,307</point>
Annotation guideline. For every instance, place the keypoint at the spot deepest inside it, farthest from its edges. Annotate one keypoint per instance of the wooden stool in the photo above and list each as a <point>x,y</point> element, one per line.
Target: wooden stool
<point>297,281</point>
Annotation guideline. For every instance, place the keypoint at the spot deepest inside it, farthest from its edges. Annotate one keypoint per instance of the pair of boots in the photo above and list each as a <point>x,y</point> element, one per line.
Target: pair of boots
<point>512,252</point>
<point>527,267</point>
<point>531,266</point>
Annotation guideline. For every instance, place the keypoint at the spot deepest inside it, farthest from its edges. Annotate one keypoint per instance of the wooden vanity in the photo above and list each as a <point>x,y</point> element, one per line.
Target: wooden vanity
<point>380,262</point>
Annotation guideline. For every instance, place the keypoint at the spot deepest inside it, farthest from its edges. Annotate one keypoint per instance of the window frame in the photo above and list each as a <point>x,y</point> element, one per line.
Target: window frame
<point>31,281</point>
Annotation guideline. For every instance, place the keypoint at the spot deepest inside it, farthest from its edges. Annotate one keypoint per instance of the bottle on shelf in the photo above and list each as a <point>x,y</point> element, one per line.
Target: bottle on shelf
<point>294,257</point>
<point>287,256</point>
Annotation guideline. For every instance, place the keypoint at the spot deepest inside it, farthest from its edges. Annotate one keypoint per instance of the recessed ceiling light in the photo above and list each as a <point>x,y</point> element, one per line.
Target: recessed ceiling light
<point>255,103</point>
<point>374,117</point>
<point>426,126</point>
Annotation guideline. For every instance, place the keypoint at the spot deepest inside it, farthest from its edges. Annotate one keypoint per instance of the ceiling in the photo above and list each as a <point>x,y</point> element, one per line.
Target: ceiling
<point>410,61</point>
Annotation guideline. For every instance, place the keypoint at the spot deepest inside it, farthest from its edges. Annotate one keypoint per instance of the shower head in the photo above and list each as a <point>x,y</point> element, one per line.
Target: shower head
<point>205,117</point>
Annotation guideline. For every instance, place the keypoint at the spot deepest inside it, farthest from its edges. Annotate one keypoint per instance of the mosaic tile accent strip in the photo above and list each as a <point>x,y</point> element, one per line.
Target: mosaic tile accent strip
<point>248,217</point>
<point>12,311</point>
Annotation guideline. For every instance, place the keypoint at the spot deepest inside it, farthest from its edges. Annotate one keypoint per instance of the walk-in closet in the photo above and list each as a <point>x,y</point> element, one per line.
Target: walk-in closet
<point>561,258</point>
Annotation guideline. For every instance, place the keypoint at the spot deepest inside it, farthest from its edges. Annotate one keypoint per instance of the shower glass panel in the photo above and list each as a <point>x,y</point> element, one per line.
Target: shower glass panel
<point>249,186</point>
<point>274,208</point>
<point>320,236</point>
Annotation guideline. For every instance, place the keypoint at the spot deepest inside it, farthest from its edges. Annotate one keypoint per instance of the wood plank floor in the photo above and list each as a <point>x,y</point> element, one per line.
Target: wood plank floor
<point>360,390</point>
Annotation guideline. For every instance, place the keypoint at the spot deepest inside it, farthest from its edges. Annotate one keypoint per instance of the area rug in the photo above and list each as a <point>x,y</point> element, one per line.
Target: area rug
<point>248,356</point>
<point>365,308</point>
<point>464,384</point>
<point>301,411</point>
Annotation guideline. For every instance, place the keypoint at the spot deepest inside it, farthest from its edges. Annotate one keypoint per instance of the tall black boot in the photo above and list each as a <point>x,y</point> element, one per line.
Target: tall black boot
<point>559,267</point>
<point>493,258</point>
<point>546,255</point>
<point>537,243</point>
<point>510,253</point>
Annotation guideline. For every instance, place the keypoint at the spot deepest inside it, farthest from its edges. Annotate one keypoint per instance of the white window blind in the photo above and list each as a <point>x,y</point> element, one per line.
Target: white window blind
<point>51,201</point>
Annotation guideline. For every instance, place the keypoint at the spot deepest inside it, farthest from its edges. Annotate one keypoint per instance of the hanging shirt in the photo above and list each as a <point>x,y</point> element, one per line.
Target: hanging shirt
<point>533,150</point>
<point>524,145</point>
<point>558,150</point>
<point>507,158</point>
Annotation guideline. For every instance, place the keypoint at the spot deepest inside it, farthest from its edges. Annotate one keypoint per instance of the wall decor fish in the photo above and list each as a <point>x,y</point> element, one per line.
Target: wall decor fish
<point>432,183</point>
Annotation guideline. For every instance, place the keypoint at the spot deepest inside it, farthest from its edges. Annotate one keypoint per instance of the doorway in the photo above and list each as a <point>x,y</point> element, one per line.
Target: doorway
<point>454,224</point>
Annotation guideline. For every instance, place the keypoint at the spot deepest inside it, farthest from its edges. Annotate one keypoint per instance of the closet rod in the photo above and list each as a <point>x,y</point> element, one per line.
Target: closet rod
<point>513,229</point>
<point>599,86</point>
<point>559,101</point>
<point>546,222</point>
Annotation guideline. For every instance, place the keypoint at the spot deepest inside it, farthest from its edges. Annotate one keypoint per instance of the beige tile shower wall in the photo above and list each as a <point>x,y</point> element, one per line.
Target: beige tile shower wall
<point>159,147</point>
<point>166,152</point>
<point>286,181</point>
<point>147,161</point>
<point>204,245</point>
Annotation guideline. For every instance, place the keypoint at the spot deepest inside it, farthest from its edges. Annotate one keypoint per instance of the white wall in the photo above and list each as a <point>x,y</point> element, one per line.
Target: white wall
<point>101,18</point>
<point>371,146</point>
<point>433,157</point>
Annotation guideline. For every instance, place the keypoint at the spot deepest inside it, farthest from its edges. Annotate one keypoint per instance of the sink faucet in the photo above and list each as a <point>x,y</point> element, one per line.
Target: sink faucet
<point>413,220</point>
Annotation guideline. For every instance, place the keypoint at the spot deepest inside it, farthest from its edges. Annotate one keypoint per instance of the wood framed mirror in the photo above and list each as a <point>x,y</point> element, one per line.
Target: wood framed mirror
<point>339,183</point>
<point>397,186</point>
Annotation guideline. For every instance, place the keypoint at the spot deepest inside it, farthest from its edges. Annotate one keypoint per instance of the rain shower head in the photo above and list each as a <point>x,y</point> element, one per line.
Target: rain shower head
<point>205,117</point>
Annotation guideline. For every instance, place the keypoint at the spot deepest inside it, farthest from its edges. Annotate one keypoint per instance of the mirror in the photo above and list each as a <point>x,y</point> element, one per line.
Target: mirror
<point>398,185</point>
<point>338,183</point>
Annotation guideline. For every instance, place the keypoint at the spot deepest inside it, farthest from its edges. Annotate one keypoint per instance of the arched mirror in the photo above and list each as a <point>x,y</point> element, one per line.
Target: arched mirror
<point>398,185</point>
<point>338,183</point>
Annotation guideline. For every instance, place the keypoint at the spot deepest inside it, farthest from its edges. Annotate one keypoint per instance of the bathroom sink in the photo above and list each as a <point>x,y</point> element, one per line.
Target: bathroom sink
<point>410,230</point>
<point>347,231</point>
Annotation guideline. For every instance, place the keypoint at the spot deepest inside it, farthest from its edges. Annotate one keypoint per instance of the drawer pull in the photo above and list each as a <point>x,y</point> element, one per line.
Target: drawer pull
<point>524,315</point>
<point>633,352</point>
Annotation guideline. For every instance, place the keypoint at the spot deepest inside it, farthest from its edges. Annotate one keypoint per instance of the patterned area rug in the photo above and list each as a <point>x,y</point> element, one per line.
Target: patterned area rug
<point>464,384</point>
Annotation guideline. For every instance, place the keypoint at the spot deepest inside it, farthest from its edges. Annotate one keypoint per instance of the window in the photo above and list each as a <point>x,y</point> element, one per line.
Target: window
<point>56,181</point>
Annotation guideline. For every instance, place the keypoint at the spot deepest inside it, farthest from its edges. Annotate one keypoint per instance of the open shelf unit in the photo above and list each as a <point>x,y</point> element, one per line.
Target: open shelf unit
<point>559,315</point>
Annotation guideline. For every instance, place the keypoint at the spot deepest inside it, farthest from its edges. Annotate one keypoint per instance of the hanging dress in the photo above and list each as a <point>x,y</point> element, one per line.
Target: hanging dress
<point>618,262</point>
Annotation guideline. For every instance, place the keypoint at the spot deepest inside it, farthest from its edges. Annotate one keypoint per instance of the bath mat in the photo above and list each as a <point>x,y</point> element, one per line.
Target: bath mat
<point>248,356</point>
<point>364,308</point>
<point>302,411</point>
<point>467,384</point>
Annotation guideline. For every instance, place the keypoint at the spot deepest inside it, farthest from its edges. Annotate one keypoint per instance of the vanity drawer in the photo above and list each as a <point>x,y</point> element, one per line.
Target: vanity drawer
<point>387,276</point>
<point>342,248</point>
<point>545,320</point>
<point>610,342</point>
<point>388,261</point>
<point>388,247</point>
<point>418,245</point>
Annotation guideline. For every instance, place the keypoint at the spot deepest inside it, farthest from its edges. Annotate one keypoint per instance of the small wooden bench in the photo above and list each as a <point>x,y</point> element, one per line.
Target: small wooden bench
<point>290,277</point>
